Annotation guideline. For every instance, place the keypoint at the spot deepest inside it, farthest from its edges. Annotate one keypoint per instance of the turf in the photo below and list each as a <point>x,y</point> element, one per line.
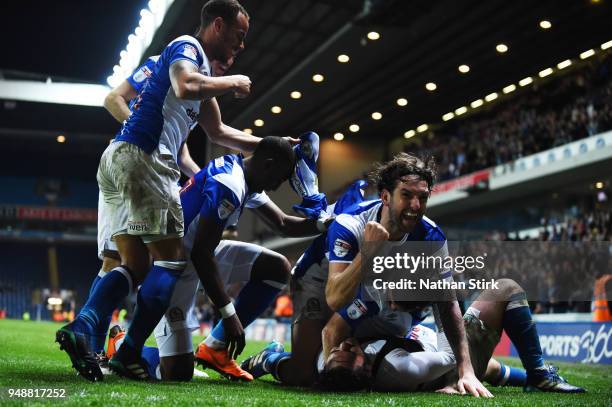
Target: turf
<point>30,359</point>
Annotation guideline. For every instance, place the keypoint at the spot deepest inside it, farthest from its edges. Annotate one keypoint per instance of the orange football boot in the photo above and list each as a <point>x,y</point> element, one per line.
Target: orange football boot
<point>219,360</point>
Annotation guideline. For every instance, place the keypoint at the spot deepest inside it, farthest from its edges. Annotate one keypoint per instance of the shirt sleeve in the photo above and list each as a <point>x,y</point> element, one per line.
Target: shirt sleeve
<point>257,200</point>
<point>185,50</point>
<point>219,202</point>
<point>342,244</point>
<point>141,74</point>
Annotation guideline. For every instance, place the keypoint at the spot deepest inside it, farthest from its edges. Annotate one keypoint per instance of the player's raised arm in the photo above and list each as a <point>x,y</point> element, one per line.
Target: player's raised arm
<point>222,134</point>
<point>188,83</point>
<point>345,261</point>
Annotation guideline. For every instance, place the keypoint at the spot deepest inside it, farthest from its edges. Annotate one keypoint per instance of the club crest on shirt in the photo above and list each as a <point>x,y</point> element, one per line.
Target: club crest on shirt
<point>356,309</point>
<point>225,209</point>
<point>142,74</point>
<point>190,52</point>
<point>341,247</point>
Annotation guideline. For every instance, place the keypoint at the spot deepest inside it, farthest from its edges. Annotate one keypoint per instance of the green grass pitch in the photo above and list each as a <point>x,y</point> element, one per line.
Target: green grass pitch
<point>29,358</point>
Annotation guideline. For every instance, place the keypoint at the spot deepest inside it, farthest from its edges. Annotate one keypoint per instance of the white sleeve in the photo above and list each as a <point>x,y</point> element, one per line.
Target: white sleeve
<point>405,371</point>
<point>257,200</point>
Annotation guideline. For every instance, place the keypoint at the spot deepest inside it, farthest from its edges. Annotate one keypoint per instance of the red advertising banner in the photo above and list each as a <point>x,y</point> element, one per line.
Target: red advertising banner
<point>463,182</point>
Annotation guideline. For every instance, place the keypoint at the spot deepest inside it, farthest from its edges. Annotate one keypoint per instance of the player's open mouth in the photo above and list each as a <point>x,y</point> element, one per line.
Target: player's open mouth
<point>410,217</point>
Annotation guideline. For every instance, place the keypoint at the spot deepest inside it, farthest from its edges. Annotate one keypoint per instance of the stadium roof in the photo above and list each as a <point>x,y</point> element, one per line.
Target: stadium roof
<point>420,41</point>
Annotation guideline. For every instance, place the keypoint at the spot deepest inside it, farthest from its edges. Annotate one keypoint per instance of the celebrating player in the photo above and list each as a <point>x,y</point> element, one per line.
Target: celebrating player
<point>138,176</point>
<point>212,200</point>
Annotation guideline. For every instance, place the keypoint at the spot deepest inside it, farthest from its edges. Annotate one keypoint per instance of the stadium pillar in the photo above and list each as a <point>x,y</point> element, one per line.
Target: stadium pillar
<point>53,271</point>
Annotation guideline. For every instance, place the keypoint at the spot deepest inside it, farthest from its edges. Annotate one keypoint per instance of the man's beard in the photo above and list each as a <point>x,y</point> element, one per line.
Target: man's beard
<point>395,221</point>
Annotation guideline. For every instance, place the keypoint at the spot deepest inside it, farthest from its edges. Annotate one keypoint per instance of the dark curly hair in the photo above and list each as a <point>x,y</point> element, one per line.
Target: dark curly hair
<point>388,174</point>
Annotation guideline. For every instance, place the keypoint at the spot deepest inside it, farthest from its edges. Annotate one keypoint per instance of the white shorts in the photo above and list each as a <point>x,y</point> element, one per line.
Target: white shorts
<point>141,191</point>
<point>104,236</point>
<point>173,333</point>
<point>308,295</point>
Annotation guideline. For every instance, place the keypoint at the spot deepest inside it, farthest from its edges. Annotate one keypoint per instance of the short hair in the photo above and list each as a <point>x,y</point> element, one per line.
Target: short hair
<point>277,148</point>
<point>387,175</point>
<point>226,9</point>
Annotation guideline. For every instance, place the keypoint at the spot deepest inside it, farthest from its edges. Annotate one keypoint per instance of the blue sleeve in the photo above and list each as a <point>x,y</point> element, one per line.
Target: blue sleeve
<point>141,74</point>
<point>342,244</point>
<point>358,311</point>
<point>184,50</point>
<point>219,202</point>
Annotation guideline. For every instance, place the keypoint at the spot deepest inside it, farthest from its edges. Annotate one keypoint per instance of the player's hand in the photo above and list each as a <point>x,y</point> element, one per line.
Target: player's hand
<point>375,232</point>
<point>470,384</point>
<point>242,86</point>
<point>293,141</point>
<point>450,389</point>
<point>374,236</point>
<point>234,336</point>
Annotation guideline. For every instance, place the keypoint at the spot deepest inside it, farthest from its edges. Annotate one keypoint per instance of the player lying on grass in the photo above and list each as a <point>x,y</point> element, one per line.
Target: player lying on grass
<point>404,185</point>
<point>424,363</point>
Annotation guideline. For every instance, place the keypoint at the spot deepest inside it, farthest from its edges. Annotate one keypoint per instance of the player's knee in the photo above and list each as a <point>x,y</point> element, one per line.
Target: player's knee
<point>272,266</point>
<point>509,287</point>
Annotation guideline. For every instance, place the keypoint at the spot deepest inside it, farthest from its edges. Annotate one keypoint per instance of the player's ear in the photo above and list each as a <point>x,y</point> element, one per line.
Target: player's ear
<point>385,196</point>
<point>218,23</point>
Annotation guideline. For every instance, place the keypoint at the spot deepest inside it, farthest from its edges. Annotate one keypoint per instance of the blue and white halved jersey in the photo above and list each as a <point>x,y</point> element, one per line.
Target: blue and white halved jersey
<point>159,119</point>
<point>345,235</point>
<point>316,252</point>
<point>219,193</point>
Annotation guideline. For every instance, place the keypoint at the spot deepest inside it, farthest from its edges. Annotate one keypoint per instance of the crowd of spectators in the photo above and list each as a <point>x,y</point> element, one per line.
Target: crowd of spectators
<point>558,268</point>
<point>571,106</point>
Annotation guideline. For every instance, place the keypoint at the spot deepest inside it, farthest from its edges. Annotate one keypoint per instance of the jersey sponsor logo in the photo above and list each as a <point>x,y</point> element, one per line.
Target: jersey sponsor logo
<point>225,209</point>
<point>142,74</point>
<point>136,226</point>
<point>219,162</point>
<point>341,247</point>
<point>193,115</point>
<point>190,52</point>
<point>357,309</point>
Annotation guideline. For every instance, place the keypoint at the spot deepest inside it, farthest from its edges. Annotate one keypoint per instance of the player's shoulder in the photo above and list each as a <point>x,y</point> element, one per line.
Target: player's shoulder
<point>226,171</point>
<point>357,216</point>
<point>187,47</point>
<point>430,230</point>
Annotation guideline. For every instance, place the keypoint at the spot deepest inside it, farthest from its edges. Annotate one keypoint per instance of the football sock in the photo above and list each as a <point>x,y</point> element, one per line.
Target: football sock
<point>273,361</point>
<point>521,329</point>
<point>511,376</point>
<point>253,300</point>
<point>98,338</point>
<point>153,300</point>
<point>151,356</point>
<point>107,294</point>
<point>94,283</point>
